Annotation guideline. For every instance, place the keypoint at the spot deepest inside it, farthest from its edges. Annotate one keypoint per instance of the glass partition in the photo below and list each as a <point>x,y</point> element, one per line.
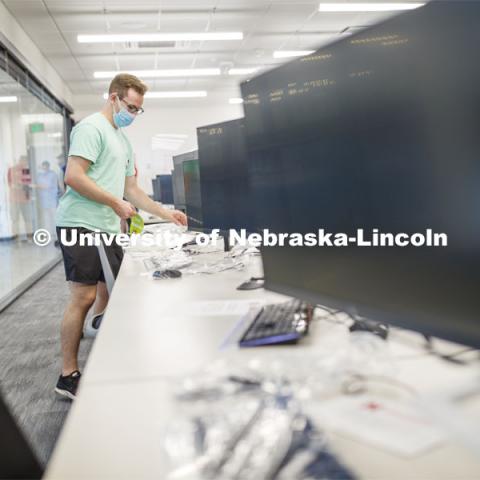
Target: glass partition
<point>32,163</point>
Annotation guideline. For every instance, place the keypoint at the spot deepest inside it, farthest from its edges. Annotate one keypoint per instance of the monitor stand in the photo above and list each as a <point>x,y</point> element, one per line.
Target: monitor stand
<point>227,245</point>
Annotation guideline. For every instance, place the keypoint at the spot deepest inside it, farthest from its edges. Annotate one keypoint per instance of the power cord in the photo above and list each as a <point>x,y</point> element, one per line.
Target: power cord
<point>450,357</point>
<point>428,347</point>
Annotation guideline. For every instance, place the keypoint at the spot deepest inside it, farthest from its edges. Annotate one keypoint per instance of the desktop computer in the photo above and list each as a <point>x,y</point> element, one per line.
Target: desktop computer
<point>193,194</point>
<point>156,189</point>
<point>162,189</point>
<point>166,189</point>
<point>177,178</point>
<point>378,131</point>
<point>224,173</point>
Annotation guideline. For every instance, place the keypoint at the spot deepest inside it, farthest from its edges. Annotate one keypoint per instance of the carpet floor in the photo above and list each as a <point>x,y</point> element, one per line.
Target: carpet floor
<point>30,361</point>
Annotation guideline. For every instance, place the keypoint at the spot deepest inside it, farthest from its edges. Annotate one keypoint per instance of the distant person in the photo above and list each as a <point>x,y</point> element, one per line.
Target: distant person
<point>100,172</point>
<point>48,190</point>
<point>20,193</point>
<point>62,167</point>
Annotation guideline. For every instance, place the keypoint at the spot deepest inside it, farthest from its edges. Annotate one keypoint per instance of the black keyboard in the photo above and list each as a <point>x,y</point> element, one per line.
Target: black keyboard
<point>277,324</point>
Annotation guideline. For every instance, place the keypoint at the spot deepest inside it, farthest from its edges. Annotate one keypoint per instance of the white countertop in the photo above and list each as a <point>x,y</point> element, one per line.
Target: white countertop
<point>153,334</point>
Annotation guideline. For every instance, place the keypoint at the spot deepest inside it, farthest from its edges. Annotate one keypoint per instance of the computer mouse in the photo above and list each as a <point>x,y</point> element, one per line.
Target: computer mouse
<point>173,273</point>
<point>363,325</point>
<point>167,274</point>
<point>252,284</point>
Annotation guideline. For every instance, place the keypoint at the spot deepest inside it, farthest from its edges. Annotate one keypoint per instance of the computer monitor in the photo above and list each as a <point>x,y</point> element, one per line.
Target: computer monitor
<point>193,195</point>
<point>224,173</point>
<point>177,174</point>
<point>156,189</point>
<point>163,189</point>
<point>166,189</point>
<point>379,130</point>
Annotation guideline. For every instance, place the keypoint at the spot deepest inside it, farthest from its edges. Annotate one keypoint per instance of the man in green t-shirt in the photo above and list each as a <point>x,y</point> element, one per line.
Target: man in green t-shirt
<point>99,175</point>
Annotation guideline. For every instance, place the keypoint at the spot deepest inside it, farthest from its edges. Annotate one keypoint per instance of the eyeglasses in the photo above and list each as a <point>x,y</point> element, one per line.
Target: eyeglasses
<point>132,108</point>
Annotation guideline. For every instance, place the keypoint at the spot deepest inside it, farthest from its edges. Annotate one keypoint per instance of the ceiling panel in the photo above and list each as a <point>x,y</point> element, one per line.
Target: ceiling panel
<point>268,25</point>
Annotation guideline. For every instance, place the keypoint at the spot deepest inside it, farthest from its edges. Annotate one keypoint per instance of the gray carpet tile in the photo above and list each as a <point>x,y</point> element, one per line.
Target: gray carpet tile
<point>30,361</point>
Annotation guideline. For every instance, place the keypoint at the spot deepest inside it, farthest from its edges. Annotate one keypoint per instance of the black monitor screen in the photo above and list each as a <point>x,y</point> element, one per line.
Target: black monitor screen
<point>156,189</point>
<point>177,174</point>
<point>166,189</point>
<point>224,173</point>
<point>193,194</point>
<point>379,130</point>
<point>178,187</point>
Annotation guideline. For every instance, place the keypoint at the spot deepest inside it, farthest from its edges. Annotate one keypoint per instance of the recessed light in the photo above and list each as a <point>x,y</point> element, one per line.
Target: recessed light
<point>235,101</point>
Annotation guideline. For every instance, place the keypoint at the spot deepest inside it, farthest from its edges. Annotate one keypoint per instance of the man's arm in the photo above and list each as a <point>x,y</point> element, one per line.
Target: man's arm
<point>60,185</point>
<point>141,200</point>
<point>76,177</point>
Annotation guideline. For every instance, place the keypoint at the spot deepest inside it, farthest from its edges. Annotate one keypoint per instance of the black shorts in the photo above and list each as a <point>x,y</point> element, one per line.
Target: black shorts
<point>82,263</point>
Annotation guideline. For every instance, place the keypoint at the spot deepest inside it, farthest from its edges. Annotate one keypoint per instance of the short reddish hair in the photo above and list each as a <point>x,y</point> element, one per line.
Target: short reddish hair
<point>123,81</point>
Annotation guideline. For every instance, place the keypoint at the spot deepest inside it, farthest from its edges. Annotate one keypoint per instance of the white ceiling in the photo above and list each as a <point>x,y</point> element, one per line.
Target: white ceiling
<point>268,25</point>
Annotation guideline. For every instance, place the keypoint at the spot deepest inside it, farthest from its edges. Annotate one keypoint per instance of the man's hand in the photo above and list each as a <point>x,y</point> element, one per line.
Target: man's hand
<point>175,216</point>
<point>141,200</point>
<point>124,209</point>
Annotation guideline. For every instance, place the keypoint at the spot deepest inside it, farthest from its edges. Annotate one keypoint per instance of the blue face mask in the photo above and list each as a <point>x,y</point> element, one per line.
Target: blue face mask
<point>123,118</point>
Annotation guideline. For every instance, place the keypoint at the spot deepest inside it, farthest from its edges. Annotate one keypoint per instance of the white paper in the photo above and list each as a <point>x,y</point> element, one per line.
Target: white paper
<point>398,427</point>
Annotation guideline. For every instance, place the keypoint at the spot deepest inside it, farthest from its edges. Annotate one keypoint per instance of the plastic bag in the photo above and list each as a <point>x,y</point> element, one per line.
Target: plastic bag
<point>236,423</point>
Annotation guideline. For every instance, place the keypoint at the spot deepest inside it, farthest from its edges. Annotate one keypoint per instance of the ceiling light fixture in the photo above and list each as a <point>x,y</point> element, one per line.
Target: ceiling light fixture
<point>168,141</point>
<point>291,53</point>
<point>181,94</point>
<point>235,101</point>
<point>368,7</point>
<point>242,71</point>
<point>10,99</point>
<point>160,37</point>
<point>172,94</point>
<point>185,72</point>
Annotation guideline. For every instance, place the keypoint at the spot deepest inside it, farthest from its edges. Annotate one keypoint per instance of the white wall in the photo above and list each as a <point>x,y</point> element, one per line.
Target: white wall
<point>23,46</point>
<point>168,117</point>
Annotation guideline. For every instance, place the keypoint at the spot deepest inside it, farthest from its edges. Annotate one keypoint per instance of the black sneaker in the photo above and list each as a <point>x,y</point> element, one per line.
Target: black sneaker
<point>67,385</point>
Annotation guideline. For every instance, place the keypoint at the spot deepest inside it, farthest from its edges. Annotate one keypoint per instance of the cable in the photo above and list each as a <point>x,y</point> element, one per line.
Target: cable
<point>428,347</point>
<point>450,357</point>
<point>358,383</point>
